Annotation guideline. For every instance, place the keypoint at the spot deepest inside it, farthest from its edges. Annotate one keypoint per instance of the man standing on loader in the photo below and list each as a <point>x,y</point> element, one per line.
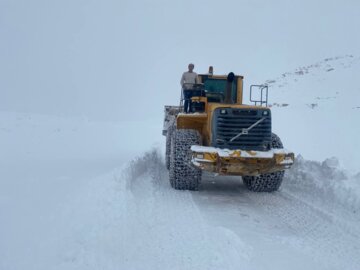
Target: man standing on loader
<point>188,79</point>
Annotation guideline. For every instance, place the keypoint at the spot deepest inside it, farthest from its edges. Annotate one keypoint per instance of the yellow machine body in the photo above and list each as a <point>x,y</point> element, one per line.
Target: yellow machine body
<point>223,161</point>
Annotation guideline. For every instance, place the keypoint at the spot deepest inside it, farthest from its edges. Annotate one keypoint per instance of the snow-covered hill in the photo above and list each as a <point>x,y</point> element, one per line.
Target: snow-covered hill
<point>316,110</point>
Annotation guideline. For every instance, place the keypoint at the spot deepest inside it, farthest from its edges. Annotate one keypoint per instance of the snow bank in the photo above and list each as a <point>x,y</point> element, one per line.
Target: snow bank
<point>324,184</point>
<point>131,219</point>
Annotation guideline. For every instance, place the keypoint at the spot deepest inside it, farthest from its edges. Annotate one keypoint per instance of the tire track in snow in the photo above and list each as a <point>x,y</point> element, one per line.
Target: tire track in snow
<point>168,229</point>
<point>223,226</point>
<point>282,220</point>
<point>313,230</point>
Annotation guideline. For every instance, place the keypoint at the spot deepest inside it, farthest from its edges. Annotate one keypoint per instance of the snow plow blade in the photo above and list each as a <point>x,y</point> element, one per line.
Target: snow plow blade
<point>241,162</point>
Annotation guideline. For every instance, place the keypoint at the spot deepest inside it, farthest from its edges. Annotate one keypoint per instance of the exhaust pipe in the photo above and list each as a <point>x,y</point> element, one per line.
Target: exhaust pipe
<point>228,88</point>
<point>211,70</point>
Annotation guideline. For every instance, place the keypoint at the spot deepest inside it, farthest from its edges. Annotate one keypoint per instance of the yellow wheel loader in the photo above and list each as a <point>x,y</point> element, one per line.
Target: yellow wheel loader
<point>224,136</point>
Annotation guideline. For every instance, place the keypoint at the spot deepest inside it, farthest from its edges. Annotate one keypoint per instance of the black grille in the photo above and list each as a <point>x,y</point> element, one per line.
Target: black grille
<point>227,126</point>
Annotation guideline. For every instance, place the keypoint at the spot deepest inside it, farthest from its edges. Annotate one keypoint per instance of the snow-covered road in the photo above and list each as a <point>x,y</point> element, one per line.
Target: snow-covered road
<point>225,226</point>
<point>130,218</point>
<point>282,228</point>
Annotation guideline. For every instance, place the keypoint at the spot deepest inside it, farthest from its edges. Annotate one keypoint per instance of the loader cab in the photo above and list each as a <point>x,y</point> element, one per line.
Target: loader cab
<point>215,88</point>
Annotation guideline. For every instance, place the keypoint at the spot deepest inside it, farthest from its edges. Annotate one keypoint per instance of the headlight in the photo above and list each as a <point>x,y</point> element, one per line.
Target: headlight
<point>200,156</point>
<point>223,111</point>
<point>266,113</point>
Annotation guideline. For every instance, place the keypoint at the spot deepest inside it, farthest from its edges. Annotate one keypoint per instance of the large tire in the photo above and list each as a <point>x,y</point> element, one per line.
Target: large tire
<point>268,182</point>
<point>168,146</point>
<point>182,174</point>
<point>276,141</point>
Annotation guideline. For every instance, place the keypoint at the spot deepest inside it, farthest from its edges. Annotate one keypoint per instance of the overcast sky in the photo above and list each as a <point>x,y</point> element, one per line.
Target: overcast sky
<point>117,60</point>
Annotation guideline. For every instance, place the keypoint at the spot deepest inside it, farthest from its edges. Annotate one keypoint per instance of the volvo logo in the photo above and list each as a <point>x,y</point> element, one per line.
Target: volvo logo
<point>245,131</point>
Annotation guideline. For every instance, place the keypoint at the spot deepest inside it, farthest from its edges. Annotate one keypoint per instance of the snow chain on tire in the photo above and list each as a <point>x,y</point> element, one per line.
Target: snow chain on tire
<point>168,146</point>
<point>182,174</point>
<point>266,182</point>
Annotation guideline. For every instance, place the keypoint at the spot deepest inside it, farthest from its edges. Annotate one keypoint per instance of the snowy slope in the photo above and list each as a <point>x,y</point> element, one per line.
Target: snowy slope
<point>316,110</point>
<point>47,164</point>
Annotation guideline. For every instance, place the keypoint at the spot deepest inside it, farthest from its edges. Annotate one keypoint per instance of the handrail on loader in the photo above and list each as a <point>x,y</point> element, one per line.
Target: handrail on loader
<point>263,96</point>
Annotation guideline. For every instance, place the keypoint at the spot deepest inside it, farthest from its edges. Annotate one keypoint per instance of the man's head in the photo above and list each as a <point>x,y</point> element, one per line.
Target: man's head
<point>191,67</point>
